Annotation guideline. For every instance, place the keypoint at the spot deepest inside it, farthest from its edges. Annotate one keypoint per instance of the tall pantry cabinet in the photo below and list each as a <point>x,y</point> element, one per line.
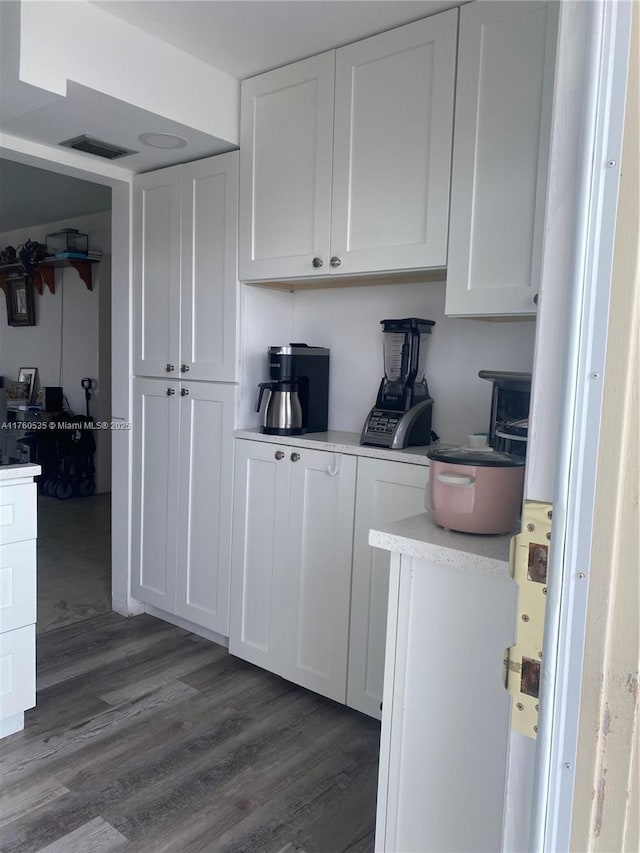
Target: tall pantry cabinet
<point>185,392</point>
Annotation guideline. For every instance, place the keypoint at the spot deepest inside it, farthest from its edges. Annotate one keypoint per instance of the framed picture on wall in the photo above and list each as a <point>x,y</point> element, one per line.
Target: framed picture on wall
<point>20,304</point>
<point>27,376</point>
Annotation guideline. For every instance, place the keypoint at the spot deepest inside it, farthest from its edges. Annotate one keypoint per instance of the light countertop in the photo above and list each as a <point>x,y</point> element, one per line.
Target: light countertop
<point>340,442</point>
<point>419,536</point>
<point>18,471</point>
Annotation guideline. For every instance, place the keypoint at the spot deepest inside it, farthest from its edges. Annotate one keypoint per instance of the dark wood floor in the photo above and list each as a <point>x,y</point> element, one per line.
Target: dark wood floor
<point>148,738</point>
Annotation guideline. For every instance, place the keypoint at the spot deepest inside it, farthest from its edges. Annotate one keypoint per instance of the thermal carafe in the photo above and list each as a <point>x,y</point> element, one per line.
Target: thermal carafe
<point>283,412</point>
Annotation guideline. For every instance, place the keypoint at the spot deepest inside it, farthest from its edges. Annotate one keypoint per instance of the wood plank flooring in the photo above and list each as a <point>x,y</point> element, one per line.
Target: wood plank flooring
<point>148,738</point>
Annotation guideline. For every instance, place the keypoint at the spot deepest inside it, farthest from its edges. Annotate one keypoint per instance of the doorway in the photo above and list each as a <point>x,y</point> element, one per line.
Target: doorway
<point>70,348</point>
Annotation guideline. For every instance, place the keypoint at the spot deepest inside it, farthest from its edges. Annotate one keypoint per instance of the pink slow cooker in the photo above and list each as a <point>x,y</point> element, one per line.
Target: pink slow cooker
<point>475,490</point>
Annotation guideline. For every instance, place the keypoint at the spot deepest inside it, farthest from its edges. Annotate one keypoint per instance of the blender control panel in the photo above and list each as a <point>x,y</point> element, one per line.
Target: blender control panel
<point>382,423</point>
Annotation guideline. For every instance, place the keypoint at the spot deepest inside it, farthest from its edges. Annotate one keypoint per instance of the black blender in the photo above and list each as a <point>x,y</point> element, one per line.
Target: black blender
<point>401,416</point>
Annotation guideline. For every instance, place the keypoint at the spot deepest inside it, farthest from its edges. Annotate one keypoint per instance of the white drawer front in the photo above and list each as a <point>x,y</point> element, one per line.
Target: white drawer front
<point>17,671</point>
<point>17,585</point>
<point>17,513</point>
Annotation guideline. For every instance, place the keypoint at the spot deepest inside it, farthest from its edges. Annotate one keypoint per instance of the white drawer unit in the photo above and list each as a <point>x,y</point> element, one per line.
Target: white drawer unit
<point>17,513</point>
<point>18,524</point>
<point>17,671</point>
<point>17,585</point>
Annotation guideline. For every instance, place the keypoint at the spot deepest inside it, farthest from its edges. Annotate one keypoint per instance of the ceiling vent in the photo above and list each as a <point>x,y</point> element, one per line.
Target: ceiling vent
<point>91,145</point>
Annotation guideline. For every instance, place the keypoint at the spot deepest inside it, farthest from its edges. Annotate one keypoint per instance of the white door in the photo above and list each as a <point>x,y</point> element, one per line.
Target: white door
<point>386,492</point>
<point>318,570</point>
<point>209,269</point>
<point>286,139</point>
<point>392,148</point>
<point>155,451</point>
<point>204,505</point>
<point>500,156</point>
<point>156,272</point>
<point>260,529</point>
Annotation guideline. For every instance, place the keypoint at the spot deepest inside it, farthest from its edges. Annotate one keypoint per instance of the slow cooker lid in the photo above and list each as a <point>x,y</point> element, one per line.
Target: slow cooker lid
<point>478,458</point>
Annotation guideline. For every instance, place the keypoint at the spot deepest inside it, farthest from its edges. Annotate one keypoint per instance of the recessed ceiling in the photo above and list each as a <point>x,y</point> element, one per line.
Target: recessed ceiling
<point>246,37</point>
<point>33,196</point>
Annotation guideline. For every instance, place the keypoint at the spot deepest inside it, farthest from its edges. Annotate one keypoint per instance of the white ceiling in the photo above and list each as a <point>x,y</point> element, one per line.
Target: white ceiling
<point>246,37</point>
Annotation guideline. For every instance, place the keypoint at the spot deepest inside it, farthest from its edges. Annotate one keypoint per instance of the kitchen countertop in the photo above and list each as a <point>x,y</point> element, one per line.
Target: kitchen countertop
<point>419,536</point>
<point>340,442</point>
<point>17,471</point>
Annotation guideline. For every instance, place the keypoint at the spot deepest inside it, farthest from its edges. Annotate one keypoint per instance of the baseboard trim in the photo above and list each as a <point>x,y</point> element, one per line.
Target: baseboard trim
<point>188,626</point>
<point>124,608</point>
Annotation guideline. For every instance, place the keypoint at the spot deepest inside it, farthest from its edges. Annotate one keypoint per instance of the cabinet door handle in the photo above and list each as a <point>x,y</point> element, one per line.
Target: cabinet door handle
<point>317,262</point>
<point>335,261</point>
<point>295,457</point>
<point>279,454</point>
<point>184,392</point>
<point>171,392</point>
<point>185,368</point>
<point>170,368</point>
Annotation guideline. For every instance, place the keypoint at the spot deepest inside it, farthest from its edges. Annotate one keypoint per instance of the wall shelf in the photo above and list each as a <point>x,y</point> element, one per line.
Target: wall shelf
<point>44,273</point>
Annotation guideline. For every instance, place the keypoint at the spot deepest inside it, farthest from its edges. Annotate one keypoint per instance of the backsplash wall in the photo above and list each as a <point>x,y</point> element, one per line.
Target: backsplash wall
<point>347,320</point>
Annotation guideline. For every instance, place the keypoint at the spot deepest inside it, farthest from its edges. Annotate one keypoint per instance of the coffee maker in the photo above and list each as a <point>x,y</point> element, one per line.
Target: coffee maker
<point>298,390</point>
<point>402,414</point>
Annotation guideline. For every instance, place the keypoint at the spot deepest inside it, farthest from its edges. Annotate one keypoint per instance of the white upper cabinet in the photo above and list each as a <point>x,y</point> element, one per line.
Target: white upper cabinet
<point>209,268</point>
<point>156,271</point>
<point>185,270</point>
<point>360,185</point>
<point>286,138</point>
<point>392,148</point>
<point>500,156</point>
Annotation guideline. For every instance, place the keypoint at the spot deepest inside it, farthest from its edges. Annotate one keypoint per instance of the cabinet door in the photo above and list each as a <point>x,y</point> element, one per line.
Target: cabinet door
<point>286,139</point>
<point>155,485</point>
<point>386,492</point>
<point>318,570</point>
<point>392,148</point>
<point>209,268</point>
<point>207,414</point>
<point>156,272</point>
<point>260,527</point>
<point>500,156</point>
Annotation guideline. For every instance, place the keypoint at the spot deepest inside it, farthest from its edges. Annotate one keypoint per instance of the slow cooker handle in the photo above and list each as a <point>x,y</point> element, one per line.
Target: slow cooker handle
<point>455,479</point>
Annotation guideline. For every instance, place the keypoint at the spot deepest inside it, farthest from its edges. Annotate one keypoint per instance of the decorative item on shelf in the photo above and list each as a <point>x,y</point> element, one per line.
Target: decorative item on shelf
<point>20,305</point>
<point>31,253</point>
<point>18,392</point>
<point>28,376</point>
<point>8,256</point>
<point>68,243</point>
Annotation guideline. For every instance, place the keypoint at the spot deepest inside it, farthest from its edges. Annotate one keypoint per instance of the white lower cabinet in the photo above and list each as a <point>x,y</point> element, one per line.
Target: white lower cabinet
<point>386,492</point>
<point>291,563</point>
<point>308,593</point>
<point>18,525</point>
<point>183,477</point>
<point>445,723</point>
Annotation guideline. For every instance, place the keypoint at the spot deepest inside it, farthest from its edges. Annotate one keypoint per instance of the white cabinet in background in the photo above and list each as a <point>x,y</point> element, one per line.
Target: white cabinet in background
<point>185,280</point>
<point>291,563</point>
<point>504,90</point>
<point>358,184</point>
<point>183,463</point>
<point>386,492</point>
<point>18,512</point>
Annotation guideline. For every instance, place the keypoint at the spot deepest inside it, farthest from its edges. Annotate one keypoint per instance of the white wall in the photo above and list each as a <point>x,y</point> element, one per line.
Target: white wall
<point>72,337</point>
<point>347,320</point>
